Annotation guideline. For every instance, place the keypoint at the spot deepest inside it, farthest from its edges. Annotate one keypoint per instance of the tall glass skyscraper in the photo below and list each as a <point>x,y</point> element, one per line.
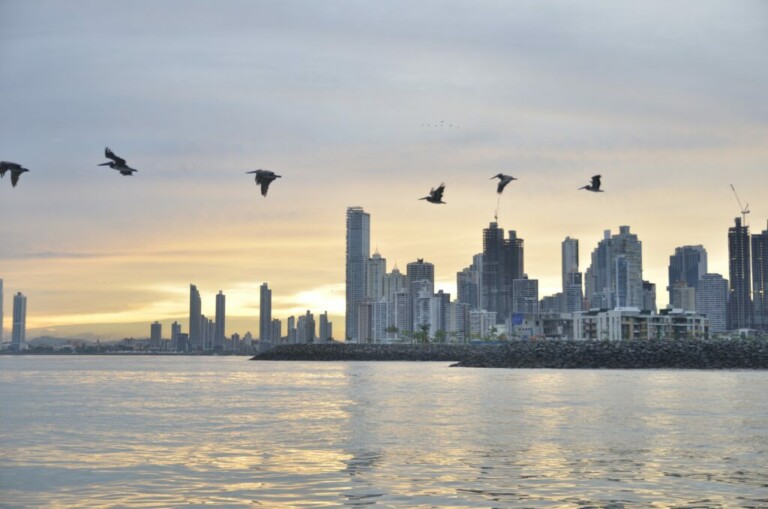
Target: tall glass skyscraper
<point>503,263</point>
<point>739,298</point>
<point>265,313</point>
<point>686,266</point>
<point>19,333</point>
<point>357,253</point>
<point>221,318</point>
<point>195,319</point>
<point>760,279</point>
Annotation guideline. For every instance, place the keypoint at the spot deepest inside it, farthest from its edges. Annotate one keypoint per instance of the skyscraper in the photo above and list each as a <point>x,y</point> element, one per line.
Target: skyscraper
<point>502,264</point>
<point>615,276</point>
<point>686,266</point>
<point>739,298</point>
<point>221,317</point>
<point>195,319</point>
<point>526,295</point>
<point>760,279</point>
<point>326,330</point>
<point>573,294</point>
<point>265,313</point>
<point>712,301</point>
<point>358,250</point>
<point>155,334</point>
<point>19,332</point>
<point>418,272</point>
<point>175,332</point>
<point>375,269</point>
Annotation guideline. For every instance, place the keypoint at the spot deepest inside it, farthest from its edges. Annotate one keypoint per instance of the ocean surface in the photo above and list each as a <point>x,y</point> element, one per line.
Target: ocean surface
<point>133,431</point>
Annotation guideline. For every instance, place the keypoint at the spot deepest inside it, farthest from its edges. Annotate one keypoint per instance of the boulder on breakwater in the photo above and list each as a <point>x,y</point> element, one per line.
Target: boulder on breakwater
<point>669,354</point>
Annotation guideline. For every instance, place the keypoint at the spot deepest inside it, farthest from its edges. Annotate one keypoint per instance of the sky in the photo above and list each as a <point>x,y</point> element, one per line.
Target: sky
<point>666,100</point>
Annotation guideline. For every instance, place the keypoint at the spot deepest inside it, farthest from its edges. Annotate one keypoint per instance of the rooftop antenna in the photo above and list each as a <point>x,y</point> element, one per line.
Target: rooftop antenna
<point>744,210</point>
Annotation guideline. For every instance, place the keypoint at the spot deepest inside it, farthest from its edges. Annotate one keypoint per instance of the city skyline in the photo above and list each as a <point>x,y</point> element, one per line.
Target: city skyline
<point>346,103</point>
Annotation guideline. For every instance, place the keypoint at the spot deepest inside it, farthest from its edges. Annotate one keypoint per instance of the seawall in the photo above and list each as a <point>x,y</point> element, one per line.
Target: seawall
<point>678,354</point>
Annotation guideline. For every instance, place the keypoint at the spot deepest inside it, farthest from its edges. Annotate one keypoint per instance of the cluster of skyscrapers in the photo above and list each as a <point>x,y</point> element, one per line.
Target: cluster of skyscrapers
<point>610,298</point>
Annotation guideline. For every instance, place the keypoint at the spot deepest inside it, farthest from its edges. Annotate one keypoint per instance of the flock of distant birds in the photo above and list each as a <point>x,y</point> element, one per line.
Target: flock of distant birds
<point>266,177</point>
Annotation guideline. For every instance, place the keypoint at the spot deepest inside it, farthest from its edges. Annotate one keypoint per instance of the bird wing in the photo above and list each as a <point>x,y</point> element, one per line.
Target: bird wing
<point>596,182</point>
<point>265,186</point>
<point>438,193</point>
<point>501,186</point>
<point>111,155</point>
<point>15,177</point>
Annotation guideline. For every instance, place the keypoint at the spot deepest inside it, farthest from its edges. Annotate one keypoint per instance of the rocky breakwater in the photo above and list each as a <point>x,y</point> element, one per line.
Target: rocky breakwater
<point>670,354</point>
<point>367,352</point>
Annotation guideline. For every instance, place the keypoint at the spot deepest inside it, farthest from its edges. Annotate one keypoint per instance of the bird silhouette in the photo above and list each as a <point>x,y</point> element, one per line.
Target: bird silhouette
<point>503,181</point>
<point>435,195</point>
<point>264,178</point>
<point>117,163</point>
<point>15,169</point>
<point>594,186</point>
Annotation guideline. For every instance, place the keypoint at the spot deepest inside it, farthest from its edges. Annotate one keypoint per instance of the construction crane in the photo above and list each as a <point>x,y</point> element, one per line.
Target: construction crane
<point>744,210</point>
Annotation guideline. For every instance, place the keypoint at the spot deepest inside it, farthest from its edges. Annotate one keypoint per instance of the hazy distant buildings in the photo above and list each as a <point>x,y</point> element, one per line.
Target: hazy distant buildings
<point>276,332</point>
<point>195,316</point>
<point>358,249</point>
<point>19,331</point>
<point>739,298</point>
<point>525,296</point>
<point>712,301</point>
<point>175,332</point>
<point>760,279</point>
<point>305,328</point>
<point>649,297</point>
<point>221,316</point>
<point>325,329</point>
<point>265,313</point>
<point>418,272</point>
<point>155,334</point>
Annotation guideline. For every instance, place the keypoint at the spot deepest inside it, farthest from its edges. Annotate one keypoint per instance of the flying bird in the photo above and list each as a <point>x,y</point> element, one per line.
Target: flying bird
<point>503,181</point>
<point>435,195</point>
<point>15,169</point>
<point>117,163</point>
<point>594,186</point>
<point>264,178</point>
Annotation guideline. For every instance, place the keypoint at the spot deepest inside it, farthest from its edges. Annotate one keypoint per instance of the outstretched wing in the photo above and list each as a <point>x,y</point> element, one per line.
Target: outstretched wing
<point>265,186</point>
<point>111,155</point>
<point>596,182</point>
<point>502,185</point>
<point>15,177</point>
<point>438,193</point>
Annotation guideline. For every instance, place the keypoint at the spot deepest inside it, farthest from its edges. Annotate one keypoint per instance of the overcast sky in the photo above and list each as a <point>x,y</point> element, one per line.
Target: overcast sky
<point>667,100</point>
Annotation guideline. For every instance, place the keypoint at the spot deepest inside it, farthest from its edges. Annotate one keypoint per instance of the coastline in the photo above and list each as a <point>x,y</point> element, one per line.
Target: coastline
<point>555,354</point>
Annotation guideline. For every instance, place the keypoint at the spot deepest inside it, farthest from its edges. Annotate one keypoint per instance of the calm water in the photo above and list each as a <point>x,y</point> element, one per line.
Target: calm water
<point>225,432</point>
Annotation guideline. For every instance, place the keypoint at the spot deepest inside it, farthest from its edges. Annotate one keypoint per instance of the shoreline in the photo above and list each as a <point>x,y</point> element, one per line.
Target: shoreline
<point>554,354</point>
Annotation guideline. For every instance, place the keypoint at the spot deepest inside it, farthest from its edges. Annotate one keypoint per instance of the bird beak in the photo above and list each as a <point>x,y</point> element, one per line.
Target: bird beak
<point>104,164</point>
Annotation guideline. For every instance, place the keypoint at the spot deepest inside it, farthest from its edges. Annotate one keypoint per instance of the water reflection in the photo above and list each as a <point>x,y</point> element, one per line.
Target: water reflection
<point>156,432</point>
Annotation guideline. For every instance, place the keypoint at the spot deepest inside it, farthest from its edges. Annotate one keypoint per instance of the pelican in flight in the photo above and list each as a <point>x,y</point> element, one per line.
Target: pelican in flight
<point>15,169</point>
<point>594,186</point>
<point>435,195</point>
<point>503,181</point>
<point>264,178</point>
<point>117,163</point>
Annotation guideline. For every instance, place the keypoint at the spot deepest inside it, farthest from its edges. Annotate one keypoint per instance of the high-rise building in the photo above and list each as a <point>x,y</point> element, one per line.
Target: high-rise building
<point>325,329</point>
<point>305,328</point>
<point>357,252</point>
<point>649,297</point>
<point>683,297</point>
<point>739,298</point>
<point>573,293</point>
<point>468,287</point>
<point>393,283</point>
<point>155,334</point>
<point>615,276</point>
<point>502,264</point>
<point>526,295</point>
<point>276,332</point>
<point>175,331</point>
<point>686,266</point>
<point>291,332</point>
<point>712,301</point>
<point>375,269</point>
<point>265,313</point>
<point>19,332</point>
<point>418,272</point>
<point>195,323</point>
<point>760,279</point>
<point>2,322</point>
<point>221,317</point>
